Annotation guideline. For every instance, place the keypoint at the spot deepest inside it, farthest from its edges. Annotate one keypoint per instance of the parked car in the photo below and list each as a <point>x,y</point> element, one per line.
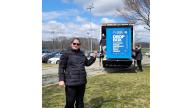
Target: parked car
<point>45,51</point>
<point>147,54</point>
<point>47,56</point>
<point>55,59</point>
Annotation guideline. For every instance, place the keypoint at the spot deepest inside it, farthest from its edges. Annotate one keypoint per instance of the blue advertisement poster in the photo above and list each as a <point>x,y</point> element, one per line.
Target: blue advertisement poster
<point>118,43</point>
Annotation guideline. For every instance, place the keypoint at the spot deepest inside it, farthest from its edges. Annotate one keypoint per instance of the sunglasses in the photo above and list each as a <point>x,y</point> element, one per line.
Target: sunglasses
<point>76,44</point>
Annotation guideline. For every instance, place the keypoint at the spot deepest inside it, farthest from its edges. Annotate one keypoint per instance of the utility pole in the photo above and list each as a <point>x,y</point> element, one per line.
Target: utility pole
<point>90,7</point>
<point>88,48</point>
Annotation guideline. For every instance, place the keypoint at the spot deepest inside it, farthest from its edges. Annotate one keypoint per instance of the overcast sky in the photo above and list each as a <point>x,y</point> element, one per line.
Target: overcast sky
<point>72,18</point>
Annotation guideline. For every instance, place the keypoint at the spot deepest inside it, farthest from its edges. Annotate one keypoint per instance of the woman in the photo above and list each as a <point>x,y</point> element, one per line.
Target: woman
<point>138,56</point>
<point>72,74</point>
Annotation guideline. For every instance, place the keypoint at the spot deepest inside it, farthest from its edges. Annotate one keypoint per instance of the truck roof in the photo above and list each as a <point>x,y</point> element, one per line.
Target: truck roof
<point>117,24</point>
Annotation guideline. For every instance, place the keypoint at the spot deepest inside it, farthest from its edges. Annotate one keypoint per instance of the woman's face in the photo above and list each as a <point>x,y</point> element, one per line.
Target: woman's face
<point>75,44</point>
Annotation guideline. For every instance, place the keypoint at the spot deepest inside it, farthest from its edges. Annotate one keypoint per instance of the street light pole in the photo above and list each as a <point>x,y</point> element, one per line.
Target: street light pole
<point>90,7</point>
<point>53,39</point>
<point>88,41</point>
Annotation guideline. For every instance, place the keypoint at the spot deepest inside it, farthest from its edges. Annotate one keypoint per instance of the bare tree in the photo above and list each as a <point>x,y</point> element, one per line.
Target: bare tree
<point>136,11</point>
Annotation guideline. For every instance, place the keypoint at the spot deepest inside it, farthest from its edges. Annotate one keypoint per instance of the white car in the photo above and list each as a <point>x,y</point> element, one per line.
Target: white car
<point>54,60</point>
<point>147,54</point>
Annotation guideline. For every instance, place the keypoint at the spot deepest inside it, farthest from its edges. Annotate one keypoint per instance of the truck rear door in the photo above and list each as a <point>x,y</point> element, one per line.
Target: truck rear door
<point>118,41</point>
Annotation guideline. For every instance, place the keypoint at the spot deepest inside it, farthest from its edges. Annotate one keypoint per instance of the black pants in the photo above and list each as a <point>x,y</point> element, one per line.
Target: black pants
<point>74,94</point>
<point>139,65</point>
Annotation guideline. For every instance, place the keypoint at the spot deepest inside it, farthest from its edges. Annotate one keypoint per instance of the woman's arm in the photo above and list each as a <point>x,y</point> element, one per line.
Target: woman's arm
<point>90,61</point>
<point>62,66</point>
